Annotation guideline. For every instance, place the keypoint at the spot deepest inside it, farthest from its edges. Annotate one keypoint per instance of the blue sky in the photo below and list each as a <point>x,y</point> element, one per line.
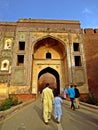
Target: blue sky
<point>86,11</point>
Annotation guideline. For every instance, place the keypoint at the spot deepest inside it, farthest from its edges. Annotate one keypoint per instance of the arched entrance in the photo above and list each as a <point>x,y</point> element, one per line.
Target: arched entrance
<point>49,62</point>
<point>48,75</point>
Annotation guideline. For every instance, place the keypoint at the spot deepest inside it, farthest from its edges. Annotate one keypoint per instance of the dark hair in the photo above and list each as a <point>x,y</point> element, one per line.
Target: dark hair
<point>55,92</point>
<point>47,84</point>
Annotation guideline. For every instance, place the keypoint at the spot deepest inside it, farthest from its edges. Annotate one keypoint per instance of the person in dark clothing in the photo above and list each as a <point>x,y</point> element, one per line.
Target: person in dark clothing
<point>77,95</point>
<point>55,92</point>
<point>71,93</point>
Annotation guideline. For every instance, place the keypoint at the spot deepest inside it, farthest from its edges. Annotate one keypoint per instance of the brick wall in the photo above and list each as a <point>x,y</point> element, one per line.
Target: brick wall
<point>48,23</point>
<point>25,97</point>
<point>91,53</point>
<point>7,27</point>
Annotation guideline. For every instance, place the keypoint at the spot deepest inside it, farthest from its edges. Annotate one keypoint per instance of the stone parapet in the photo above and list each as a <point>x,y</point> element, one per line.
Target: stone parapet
<point>90,31</point>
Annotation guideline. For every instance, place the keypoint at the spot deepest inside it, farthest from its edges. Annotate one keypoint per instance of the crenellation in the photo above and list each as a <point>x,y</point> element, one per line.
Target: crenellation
<point>96,31</point>
<point>90,31</point>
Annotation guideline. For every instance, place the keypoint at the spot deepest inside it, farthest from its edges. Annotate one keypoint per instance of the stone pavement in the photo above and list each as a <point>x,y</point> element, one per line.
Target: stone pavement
<point>5,114</point>
<point>28,116</point>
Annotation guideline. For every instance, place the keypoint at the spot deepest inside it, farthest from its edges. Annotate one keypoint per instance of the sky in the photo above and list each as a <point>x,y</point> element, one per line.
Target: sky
<point>86,11</point>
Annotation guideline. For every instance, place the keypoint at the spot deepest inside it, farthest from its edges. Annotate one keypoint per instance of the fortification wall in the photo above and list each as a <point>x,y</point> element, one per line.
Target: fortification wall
<point>90,38</point>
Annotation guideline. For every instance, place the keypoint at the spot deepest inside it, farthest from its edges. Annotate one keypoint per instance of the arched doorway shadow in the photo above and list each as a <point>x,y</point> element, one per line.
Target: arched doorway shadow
<point>48,75</point>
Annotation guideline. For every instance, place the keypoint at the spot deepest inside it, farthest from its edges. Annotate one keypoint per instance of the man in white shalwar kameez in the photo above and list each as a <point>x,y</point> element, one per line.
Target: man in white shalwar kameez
<point>47,99</point>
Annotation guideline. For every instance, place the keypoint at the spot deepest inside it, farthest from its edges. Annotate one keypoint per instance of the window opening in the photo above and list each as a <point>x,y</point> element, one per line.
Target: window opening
<point>20,60</point>
<point>76,46</point>
<point>78,61</point>
<point>21,45</point>
<point>4,65</point>
<point>48,55</point>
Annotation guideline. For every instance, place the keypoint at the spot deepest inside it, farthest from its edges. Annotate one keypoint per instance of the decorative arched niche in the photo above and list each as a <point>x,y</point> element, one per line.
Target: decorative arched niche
<point>8,44</point>
<point>5,65</point>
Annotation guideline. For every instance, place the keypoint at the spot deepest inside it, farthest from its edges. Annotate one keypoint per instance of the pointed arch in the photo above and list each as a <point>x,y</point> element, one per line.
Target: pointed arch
<point>35,44</point>
<point>54,73</point>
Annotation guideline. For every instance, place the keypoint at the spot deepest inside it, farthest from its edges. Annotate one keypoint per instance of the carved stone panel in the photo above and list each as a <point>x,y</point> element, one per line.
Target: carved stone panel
<point>79,77</point>
<point>3,78</point>
<point>6,53</point>
<point>19,76</point>
<point>9,34</point>
<point>22,36</point>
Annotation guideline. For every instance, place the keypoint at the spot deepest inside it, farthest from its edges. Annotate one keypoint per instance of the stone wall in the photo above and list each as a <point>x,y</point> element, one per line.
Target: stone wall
<point>65,33</point>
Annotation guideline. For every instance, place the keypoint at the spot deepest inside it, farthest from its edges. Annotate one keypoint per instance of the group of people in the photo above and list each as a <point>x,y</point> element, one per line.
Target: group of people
<point>74,94</point>
<point>51,100</point>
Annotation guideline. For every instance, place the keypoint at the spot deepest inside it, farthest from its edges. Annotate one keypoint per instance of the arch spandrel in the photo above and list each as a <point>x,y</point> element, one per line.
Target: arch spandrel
<point>63,39</point>
<point>49,45</point>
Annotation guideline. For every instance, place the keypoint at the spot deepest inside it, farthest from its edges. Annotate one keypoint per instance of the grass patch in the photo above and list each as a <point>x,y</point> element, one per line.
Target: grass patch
<point>9,102</point>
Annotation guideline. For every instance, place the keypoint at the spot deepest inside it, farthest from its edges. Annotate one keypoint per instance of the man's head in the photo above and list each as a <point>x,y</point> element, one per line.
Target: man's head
<point>71,85</point>
<point>47,84</point>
